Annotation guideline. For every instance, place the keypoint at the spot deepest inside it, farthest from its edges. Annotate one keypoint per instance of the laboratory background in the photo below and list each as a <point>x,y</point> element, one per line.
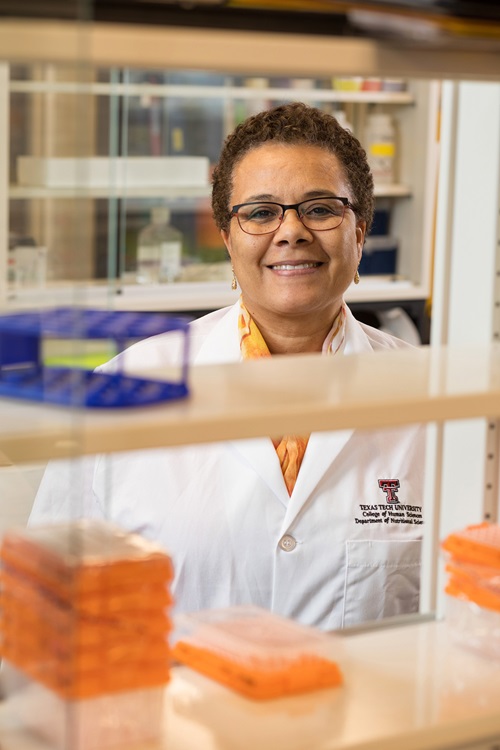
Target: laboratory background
<point>112,118</point>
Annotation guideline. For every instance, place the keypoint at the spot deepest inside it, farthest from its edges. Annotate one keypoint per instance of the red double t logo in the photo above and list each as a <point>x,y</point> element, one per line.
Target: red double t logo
<point>390,487</point>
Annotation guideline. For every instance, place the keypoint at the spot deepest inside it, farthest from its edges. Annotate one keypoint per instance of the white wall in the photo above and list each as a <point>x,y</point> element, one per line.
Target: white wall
<point>466,299</point>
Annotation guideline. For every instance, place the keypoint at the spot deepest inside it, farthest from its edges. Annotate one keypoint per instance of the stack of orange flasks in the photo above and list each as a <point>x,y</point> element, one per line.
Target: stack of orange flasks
<point>473,585</point>
<point>255,652</point>
<point>85,623</point>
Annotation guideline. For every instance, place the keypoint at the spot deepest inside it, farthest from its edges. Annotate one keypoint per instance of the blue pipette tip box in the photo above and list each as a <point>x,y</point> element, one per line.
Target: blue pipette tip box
<point>24,375</point>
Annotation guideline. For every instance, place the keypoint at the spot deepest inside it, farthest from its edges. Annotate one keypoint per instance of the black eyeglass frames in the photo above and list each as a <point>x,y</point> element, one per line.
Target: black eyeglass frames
<point>264,217</point>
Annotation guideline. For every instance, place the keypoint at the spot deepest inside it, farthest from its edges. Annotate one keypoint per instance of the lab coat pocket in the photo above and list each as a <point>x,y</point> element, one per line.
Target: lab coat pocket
<point>382,579</point>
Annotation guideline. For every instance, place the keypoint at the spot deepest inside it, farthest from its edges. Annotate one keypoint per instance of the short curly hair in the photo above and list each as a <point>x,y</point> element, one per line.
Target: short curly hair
<point>293,123</point>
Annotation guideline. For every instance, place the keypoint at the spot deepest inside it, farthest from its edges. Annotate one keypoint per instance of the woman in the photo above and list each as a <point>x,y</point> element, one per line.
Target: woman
<point>323,528</point>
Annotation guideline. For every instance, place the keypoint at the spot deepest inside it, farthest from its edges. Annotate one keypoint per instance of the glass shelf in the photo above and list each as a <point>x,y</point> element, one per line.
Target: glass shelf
<point>212,92</point>
<point>21,192</point>
<point>359,391</point>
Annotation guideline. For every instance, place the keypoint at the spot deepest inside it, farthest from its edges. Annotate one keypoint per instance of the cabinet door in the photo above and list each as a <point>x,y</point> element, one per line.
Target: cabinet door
<point>143,138</point>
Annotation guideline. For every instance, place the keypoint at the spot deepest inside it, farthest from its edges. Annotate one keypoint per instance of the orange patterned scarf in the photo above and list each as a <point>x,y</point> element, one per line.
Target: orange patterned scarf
<point>290,448</point>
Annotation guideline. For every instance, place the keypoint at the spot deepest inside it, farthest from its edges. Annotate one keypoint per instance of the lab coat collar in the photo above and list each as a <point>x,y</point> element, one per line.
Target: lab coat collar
<point>322,450</point>
<point>222,345</point>
<point>324,447</point>
<point>261,455</point>
<point>356,340</point>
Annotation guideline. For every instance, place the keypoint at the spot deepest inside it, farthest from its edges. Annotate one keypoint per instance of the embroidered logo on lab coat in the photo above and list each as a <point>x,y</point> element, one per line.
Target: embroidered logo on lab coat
<point>390,487</point>
<point>392,511</point>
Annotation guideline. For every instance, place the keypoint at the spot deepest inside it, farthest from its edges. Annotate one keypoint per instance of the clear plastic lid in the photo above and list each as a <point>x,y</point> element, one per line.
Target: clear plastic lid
<point>248,631</point>
<point>85,541</point>
<point>478,543</point>
<point>81,556</point>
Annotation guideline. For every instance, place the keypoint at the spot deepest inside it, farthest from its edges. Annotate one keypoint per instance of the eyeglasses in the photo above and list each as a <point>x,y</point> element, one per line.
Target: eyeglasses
<point>318,214</point>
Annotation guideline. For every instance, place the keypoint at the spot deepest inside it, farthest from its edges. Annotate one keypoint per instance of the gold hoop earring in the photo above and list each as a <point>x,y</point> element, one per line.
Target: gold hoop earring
<point>356,277</point>
<point>234,282</point>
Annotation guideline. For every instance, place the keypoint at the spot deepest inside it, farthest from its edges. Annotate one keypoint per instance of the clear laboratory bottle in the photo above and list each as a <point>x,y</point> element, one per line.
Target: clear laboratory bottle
<point>381,147</point>
<point>159,249</point>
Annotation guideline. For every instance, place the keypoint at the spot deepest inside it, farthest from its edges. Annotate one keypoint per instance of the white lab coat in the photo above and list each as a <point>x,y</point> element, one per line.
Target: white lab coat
<point>222,509</point>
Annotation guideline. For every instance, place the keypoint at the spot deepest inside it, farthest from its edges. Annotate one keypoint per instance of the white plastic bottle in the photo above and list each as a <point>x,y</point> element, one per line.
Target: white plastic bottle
<point>381,148</point>
<point>342,120</point>
<point>159,249</point>
<point>254,106</point>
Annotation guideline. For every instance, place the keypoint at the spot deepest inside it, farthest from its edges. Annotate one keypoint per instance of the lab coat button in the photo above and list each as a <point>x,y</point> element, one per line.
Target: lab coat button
<point>287,543</point>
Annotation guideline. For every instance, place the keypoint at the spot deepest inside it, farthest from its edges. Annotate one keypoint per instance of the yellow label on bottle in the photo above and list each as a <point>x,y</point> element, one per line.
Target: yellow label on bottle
<point>177,140</point>
<point>382,149</point>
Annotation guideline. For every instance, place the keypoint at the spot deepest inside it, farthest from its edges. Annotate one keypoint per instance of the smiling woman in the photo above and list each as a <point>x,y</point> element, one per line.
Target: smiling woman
<point>281,523</point>
<point>301,191</point>
<point>302,268</point>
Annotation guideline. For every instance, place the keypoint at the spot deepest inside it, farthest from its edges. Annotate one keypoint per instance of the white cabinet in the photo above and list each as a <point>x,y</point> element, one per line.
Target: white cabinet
<point>149,113</point>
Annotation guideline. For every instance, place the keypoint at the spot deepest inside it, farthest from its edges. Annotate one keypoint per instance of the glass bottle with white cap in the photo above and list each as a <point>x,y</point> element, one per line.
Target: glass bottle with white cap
<point>159,249</point>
